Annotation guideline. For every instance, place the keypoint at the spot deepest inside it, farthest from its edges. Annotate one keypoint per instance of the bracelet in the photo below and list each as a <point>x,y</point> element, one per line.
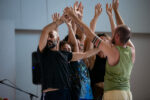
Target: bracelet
<point>96,41</point>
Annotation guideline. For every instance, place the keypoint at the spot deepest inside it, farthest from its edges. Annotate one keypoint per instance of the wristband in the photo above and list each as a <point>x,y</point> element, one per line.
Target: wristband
<point>96,41</point>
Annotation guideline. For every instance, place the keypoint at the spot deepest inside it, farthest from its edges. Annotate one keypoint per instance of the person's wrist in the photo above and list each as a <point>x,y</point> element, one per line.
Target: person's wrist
<point>115,9</point>
<point>96,16</point>
<point>61,20</point>
<point>58,22</point>
<point>110,15</point>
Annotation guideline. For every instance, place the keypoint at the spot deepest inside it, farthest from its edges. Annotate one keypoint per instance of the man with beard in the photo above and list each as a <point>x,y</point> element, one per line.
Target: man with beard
<point>120,58</point>
<point>55,70</point>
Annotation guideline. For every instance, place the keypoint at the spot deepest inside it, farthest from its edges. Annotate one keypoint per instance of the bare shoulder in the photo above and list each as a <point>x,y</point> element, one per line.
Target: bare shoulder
<point>113,56</point>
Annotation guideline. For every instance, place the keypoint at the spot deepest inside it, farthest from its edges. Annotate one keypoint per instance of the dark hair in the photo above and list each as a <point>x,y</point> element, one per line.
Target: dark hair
<point>101,34</point>
<point>124,33</point>
<point>62,43</point>
<point>66,37</point>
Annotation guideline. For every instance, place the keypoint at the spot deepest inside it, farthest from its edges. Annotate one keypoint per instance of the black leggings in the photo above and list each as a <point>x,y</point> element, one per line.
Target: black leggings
<point>62,94</point>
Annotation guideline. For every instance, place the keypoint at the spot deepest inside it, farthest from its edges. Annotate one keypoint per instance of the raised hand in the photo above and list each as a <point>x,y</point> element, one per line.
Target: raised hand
<point>69,11</point>
<point>110,15</point>
<point>67,20</point>
<point>115,4</point>
<point>78,8</point>
<point>109,9</point>
<point>55,17</point>
<point>75,6</point>
<point>98,10</point>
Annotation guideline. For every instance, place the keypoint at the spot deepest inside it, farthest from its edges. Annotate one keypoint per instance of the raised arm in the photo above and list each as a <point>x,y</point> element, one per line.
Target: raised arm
<point>55,17</point>
<point>110,15</point>
<point>119,22</point>
<point>70,12</point>
<point>46,30</point>
<point>71,35</point>
<point>88,44</point>
<point>115,5</point>
<point>82,55</point>
<point>98,10</point>
<point>78,9</point>
<point>109,50</point>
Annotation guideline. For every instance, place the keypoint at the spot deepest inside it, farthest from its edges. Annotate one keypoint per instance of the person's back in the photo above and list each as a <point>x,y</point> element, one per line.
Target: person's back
<point>117,77</point>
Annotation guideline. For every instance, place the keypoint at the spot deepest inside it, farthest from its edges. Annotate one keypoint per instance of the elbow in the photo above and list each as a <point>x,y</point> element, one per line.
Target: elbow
<point>44,30</point>
<point>40,47</point>
<point>91,23</point>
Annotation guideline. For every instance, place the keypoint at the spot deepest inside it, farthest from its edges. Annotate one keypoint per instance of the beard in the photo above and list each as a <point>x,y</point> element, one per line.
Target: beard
<point>51,44</point>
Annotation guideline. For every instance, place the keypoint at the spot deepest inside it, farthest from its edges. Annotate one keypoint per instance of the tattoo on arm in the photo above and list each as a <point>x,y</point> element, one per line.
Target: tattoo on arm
<point>81,28</point>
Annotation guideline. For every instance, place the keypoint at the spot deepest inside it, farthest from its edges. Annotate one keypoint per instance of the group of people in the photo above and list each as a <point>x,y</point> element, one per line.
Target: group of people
<point>85,65</point>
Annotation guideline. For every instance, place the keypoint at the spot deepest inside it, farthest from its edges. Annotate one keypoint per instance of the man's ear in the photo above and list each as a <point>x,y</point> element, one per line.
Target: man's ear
<point>118,37</point>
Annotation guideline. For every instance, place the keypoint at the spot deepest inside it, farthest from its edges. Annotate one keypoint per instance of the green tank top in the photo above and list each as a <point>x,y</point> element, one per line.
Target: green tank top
<point>117,77</point>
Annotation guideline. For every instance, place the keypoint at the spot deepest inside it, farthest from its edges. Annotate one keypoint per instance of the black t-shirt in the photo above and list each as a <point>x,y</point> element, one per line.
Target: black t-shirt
<point>98,71</point>
<point>55,69</point>
<point>76,86</point>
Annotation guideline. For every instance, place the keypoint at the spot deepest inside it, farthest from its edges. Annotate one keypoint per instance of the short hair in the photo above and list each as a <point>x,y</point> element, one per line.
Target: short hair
<point>62,43</point>
<point>101,34</point>
<point>124,33</point>
<point>66,37</point>
<point>105,35</point>
<point>55,32</point>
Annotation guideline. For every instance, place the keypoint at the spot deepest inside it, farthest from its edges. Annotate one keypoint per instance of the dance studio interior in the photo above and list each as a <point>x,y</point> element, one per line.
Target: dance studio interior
<point>22,22</point>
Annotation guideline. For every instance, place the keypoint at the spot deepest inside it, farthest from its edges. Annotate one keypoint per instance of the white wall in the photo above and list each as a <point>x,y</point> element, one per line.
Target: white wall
<point>26,43</point>
<point>7,58</point>
<point>35,14</point>
<point>135,13</point>
<point>29,39</point>
<point>140,79</point>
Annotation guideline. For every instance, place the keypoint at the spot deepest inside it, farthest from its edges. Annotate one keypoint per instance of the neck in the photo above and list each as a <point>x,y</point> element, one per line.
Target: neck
<point>120,44</point>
